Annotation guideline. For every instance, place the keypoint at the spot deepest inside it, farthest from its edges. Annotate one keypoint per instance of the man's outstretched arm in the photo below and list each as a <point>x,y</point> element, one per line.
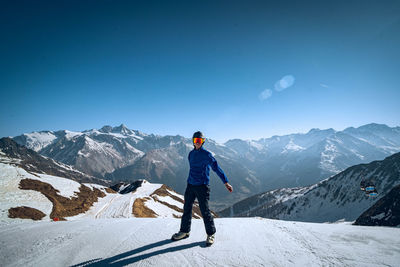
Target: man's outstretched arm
<point>220,173</point>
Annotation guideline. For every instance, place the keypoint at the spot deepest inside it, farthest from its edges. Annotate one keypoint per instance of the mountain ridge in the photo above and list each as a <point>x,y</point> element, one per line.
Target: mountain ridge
<point>336,198</point>
<point>121,154</point>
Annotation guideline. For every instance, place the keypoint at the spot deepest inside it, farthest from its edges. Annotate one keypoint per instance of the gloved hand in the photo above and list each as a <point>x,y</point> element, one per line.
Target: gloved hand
<point>229,187</point>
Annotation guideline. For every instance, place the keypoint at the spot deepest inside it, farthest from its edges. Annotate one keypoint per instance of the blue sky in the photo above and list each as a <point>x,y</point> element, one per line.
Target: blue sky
<point>232,69</point>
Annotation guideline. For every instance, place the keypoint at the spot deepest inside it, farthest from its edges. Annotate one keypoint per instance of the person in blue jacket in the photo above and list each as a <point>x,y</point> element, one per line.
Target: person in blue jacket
<point>200,161</point>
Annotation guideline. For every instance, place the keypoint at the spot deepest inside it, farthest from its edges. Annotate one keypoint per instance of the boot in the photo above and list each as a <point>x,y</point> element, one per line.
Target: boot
<point>180,235</point>
<point>210,240</point>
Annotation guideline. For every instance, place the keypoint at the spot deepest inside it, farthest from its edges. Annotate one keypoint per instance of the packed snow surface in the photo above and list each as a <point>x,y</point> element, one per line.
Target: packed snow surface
<point>239,242</point>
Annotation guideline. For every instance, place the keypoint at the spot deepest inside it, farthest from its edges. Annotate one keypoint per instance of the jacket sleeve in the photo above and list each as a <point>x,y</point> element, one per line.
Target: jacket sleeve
<point>217,169</point>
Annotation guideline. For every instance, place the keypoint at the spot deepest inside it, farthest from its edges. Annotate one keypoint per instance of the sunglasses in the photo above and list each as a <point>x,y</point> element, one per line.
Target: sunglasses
<point>198,140</point>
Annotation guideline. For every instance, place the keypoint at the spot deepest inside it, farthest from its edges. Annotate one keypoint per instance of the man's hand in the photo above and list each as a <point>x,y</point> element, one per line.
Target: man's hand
<point>229,187</point>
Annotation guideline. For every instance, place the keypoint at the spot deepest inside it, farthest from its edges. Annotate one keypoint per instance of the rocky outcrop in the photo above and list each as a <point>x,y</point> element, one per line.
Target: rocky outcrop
<point>26,213</point>
<point>125,188</point>
<point>139,209</point>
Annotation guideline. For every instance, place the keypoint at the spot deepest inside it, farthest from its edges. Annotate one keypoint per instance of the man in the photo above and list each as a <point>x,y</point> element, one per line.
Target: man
<point>200,161</point>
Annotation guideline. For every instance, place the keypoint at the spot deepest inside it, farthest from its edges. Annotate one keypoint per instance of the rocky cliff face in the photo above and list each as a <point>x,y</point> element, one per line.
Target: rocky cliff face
<point>385,212</point>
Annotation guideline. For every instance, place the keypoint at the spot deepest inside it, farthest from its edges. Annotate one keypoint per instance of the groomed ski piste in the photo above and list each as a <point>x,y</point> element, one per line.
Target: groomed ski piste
<point>239,242</point>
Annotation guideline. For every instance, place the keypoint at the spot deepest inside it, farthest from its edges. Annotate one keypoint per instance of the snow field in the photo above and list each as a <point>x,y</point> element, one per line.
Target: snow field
<point>111,206</point>
<point>174,193</point>
<point>66,187</point>
<point>146,189</point>
<point>11,196</point>
<point>162,210</point>
<point>239,242</point>
<point>120,206</point>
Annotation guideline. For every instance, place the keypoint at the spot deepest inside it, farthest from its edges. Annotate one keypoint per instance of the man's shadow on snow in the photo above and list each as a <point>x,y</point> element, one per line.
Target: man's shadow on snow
<point>122,260</point>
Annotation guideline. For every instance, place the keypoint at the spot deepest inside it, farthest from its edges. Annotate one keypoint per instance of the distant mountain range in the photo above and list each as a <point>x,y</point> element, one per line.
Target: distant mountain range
<point>36,187</point>
<point>336,198</point>
<point>120,154</point>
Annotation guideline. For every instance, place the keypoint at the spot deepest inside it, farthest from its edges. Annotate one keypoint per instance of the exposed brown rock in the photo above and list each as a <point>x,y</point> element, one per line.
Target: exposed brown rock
<point>139,209</point>
<point>26,213</point>
<point>63,206</point>
<point>110,190</point>
<point>163,192</point>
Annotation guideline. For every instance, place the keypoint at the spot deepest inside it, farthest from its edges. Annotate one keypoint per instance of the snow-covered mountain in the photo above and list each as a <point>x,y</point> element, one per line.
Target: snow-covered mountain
<point>121,154</point>
<point>336,198</point>
<point>102,227</point>
<point>31,161</point>
<point>34,187</point>
<point>304,159</point>
<point>95,152</point>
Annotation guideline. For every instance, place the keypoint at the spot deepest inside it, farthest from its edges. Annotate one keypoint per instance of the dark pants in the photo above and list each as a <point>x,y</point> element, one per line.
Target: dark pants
<point>202,193</point>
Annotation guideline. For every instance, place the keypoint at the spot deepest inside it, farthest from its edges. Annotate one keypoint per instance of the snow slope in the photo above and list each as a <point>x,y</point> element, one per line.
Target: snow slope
<point>120,205</point>
<point>11,196</point>
<point>113,205</point>
<point>146,242</point>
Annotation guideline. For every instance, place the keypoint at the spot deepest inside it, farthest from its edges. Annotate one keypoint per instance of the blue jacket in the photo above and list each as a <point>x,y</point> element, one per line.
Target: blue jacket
<point>200,162</point>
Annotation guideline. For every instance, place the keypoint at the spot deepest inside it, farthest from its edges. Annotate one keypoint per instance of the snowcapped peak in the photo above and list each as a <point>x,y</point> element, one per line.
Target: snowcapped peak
<point>37,140</point>
<point>291,146</point>
<point>122,129</point>
<point>106,129</point>
<point>71,135</point>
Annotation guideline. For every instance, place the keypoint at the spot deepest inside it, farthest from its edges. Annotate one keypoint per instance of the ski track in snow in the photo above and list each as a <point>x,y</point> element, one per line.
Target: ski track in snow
<point>111,206</point>
<point>239,242</point>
